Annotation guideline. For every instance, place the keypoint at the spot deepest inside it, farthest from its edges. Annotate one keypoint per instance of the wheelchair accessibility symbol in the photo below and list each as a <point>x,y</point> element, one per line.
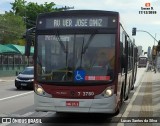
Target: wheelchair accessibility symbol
<point>79,75</point>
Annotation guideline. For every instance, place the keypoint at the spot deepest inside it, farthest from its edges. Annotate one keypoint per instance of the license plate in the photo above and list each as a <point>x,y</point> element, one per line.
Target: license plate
<point>72,103</point>
<point>23,84</point>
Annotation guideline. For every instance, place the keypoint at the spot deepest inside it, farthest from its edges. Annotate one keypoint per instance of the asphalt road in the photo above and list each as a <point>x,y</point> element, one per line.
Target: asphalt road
<point>20,103</point>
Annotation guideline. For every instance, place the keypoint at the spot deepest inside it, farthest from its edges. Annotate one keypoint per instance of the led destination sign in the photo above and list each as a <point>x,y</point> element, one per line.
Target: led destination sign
<point>75,22</point>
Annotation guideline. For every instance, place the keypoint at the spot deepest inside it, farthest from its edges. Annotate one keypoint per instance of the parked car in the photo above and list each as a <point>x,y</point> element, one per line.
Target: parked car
<point>25,78</point>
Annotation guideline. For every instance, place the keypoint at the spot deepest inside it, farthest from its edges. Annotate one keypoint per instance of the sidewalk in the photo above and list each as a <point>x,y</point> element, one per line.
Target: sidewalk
<point>12,78</point>
<point>147,101</point>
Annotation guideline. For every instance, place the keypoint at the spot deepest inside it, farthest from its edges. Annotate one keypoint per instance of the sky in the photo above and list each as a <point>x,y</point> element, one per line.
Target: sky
<point>129,15</point>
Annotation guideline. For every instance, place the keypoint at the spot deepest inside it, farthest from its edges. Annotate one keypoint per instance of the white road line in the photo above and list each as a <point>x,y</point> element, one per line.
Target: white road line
<point>27,114</point>
<point>4,124</point>
<point>5,80</point>
<point>16,96</point>
<point>3,115</point>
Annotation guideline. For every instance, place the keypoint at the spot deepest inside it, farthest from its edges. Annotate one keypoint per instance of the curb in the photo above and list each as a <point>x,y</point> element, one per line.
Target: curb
<point>4,79</point>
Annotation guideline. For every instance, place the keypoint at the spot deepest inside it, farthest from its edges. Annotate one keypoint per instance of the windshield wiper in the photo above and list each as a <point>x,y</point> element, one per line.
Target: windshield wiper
<point>63,47</point>
<point>84,48</point>
<point>60,42</point>
<point>82,53</point>
<point>88,43</point>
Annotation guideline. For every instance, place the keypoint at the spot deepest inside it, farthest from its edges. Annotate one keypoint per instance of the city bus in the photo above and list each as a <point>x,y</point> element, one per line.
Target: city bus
<point>83,62</point>
<point>142,61</point>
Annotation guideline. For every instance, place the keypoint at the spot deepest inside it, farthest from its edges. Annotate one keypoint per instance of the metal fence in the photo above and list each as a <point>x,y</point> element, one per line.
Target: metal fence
<point>10,65</point>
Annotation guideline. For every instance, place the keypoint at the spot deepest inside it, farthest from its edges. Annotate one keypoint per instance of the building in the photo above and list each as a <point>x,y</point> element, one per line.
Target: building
<point>149,52</point>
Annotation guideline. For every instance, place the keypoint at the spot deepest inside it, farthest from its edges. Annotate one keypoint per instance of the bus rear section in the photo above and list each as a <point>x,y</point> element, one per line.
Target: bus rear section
<point>77,62</point>
<point>142,62</point>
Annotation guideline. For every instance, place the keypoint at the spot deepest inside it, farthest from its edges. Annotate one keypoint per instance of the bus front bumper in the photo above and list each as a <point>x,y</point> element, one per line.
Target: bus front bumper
<point>104,105</point>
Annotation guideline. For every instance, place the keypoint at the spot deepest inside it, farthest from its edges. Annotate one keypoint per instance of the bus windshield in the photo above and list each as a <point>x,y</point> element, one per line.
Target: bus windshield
<point>67,58</point>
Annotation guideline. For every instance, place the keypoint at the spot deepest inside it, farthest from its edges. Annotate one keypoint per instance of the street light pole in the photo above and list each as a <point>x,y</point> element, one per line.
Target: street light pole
<point>149,34</point>
<point>155,38</point>
<point>134,33</point>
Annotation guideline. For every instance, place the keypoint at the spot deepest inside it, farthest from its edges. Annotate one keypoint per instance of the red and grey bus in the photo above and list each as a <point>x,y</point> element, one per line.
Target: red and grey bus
<point>83,62</point>
<point>142,61</point>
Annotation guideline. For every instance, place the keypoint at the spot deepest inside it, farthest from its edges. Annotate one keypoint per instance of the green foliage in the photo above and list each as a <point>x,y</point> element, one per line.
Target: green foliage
<point>11,28</point>
<point>23,15</point>
<point>21,42</point>
<point>19,7</point>
<point>29,11</point>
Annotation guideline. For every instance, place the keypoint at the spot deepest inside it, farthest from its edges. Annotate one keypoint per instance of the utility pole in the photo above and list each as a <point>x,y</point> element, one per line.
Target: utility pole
<point>155,38</point>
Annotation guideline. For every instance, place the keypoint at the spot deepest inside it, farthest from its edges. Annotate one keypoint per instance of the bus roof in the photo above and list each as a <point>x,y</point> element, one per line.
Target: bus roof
<point>72,12</point>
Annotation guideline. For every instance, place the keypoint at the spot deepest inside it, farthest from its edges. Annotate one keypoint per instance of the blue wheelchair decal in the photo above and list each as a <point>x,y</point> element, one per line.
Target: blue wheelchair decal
<point>79,75</point>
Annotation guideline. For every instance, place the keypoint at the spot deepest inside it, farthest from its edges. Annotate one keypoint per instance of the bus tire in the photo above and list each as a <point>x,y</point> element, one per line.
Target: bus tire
<point>117,112</point>
<point>121,97</point>
<point>129,88</point>
<point>121,102</point>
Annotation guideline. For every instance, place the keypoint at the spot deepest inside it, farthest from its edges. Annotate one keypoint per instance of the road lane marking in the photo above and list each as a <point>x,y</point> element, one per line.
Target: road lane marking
<point>3,115</point>
<point>27,114</point>
<point>15,96</point>
<point>5,80</point>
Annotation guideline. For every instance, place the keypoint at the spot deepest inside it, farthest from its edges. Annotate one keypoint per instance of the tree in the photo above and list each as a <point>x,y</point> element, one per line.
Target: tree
<point>19,7</point>
<point>29,11</point>
<point>11,28</point>
<point>23,15</point>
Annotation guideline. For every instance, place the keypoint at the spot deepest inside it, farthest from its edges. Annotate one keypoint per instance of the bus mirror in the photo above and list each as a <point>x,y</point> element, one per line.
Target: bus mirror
<point>28,45</point>
<point>27,49</point>
<point>29,37</point>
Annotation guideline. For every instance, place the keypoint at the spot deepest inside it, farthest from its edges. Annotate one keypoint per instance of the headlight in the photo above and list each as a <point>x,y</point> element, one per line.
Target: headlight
<point>39,91</point>
<point>108,92</point>
<point>31,80</point>
<point>17,79</point>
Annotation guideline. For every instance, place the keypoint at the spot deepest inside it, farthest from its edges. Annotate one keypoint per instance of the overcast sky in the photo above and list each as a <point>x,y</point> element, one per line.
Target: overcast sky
<point>129,14</point>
